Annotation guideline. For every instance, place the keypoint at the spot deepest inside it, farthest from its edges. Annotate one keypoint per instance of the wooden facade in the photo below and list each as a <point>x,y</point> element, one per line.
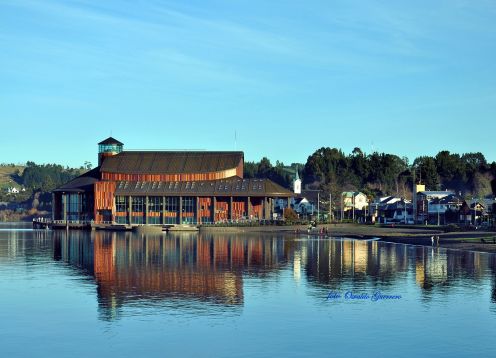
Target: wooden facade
<point>163,187</point>
<point>181,177</point>
<point>204,209</point>
<point>104,201</point>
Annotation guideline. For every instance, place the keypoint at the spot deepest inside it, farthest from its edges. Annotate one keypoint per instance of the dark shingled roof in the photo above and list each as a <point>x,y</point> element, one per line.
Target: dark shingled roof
<point>81,183</point>
<point>110,140</point>
<point>224,187</point>
<point>138,162</point>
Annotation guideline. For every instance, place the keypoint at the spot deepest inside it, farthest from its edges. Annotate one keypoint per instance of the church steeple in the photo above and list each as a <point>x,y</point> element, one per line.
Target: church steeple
<point>297,182</point>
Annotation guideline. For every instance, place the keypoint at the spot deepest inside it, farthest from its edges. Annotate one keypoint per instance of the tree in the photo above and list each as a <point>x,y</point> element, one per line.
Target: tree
<point>290,214</point>
<point>428,172</point>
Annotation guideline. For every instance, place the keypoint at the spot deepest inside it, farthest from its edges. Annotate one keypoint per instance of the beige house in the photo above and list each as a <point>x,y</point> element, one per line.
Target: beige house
<point>354,199</point>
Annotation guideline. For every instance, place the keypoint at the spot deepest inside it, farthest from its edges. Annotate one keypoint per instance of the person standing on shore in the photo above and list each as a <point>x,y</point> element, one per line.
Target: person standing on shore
<point>437,240</point>
<point>432,240</point>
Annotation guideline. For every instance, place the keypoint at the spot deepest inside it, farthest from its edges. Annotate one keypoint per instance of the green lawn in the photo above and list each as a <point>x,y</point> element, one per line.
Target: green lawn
<point>6,174</point>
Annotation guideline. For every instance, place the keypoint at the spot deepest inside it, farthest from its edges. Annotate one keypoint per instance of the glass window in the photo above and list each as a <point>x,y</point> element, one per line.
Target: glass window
<point>138,209</point>
<point>155,204</point>
<point>121,204</point>
<point>121,219</point>
<point>73,206</point>
<point>189,209</point>
<point>171,209</point>
<point>155,210</point>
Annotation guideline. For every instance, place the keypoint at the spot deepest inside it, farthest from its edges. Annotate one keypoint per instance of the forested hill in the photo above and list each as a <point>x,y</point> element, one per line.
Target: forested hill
<point>331,170</point>
<point>327,169</point>
<point>34,178</point>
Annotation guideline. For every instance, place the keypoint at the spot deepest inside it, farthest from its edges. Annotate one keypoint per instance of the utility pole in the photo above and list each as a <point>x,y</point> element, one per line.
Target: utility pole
<point>353,202</point>
<point>330,208</point>
<point>414,197</point>
<point>318,206</point>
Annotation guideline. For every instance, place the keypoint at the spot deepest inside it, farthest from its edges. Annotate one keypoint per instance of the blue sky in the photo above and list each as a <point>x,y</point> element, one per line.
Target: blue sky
<point>404,77</point>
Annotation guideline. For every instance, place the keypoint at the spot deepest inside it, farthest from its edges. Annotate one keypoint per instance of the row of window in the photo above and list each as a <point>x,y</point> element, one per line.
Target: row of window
<point>156,205</point>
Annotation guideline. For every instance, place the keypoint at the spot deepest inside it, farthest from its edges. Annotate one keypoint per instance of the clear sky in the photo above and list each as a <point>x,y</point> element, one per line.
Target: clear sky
<point>405,77</point>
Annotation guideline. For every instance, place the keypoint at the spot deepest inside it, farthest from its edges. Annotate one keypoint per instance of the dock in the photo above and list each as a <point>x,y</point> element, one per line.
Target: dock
<point>43,223</point>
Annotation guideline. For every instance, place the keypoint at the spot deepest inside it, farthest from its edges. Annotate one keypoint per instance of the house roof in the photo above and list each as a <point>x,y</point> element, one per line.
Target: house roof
<point>170,162</point>
<point>436,193</point>
<point>449,199</point>
<point>389,200</point>
<point>81,183</point>
<point>310,195</point>
<point>350,194</point>
<point>398,205</point>
<point>109,141</point>
<point>299,200</point>
<point>225,187</point>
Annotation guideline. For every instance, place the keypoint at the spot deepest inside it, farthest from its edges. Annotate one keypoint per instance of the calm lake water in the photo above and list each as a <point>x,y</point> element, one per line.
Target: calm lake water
<point>97,294</point>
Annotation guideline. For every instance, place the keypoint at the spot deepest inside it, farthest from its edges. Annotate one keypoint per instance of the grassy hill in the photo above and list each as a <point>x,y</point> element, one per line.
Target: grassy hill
<point>8,176</point>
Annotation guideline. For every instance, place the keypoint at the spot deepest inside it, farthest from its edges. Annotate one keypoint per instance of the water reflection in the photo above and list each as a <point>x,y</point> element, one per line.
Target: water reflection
<point>194,270</point>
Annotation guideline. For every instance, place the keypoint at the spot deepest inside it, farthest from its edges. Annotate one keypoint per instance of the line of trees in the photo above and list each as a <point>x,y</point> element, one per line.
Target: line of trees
<point>333,171</point>
<point>46,177</point>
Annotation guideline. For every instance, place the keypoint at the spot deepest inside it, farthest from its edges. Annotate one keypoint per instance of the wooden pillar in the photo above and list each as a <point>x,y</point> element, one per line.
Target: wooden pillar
<point>163,210</point>
<point>129,209</point>
<point>248,208</point>
<point>213,207</point>
<point>146,210</point>
<point>180,210</point>
<point>263,201</point>
<point>53,206</point>
<point>230,208</point>
<point>113,210</point>
<point>264,208</point>
<point>78,206</point>
<point>198,219</point>
<point>64,206</point>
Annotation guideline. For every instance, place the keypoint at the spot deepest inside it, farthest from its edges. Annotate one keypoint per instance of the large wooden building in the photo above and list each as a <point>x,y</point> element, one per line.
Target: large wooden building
<point>165,187</point>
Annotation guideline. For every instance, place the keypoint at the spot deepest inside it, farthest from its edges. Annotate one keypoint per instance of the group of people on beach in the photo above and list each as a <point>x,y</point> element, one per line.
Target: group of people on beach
<point>313,226</point>
<point>435,239</point>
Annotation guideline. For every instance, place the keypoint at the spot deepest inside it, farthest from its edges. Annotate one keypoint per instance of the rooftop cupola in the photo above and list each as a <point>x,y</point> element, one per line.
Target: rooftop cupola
<point>108,148</point>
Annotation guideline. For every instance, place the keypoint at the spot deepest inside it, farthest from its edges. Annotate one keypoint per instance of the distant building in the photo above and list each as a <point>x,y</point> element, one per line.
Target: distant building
<point>354,205</point>
<point>354,199</point>
<point>392,209</point>
<point>165,187</point>
<point>479,211</point>
<point>303,206</point>
<point>297,183</point>
<point>424,199</point>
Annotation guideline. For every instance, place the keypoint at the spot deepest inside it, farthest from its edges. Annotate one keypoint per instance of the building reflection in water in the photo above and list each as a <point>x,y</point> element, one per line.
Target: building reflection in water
<point>196,270</point>
<point>130,268</point>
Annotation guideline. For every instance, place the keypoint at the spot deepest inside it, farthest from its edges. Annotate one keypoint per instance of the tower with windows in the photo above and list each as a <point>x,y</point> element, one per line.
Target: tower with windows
<point>108,148</point>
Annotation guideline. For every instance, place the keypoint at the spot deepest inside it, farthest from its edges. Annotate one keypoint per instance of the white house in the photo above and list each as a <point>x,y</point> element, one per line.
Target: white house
<point>354,199</point>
